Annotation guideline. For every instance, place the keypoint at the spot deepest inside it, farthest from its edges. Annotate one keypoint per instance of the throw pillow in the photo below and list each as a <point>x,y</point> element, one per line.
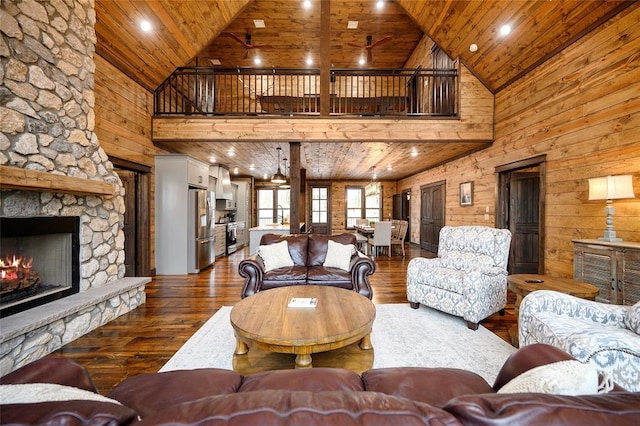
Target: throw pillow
<point>45,392</point>
<point>632,318</point>
<point>339,255</point>
<point>275,256</point>
<point>559,378</point>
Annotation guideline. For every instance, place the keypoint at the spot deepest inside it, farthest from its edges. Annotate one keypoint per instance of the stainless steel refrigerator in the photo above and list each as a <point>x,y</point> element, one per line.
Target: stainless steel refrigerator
<point>201,237</point>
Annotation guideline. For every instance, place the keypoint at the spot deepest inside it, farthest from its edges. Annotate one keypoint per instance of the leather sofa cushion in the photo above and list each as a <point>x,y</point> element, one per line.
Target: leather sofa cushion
<point>150,393</point>
<point>283,408</point>
<point>318,245</point>
<point>295,275</point>
<point>75,412</point>
<point>329,276</point>
<point>312,379</point>
<point>59,371</point>
<point>297,245</point>
<point>614,408</point>
<point>425,384</point>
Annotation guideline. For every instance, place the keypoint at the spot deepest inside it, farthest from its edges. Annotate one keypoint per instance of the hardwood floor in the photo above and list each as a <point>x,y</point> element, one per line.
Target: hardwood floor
<point>143,340</point>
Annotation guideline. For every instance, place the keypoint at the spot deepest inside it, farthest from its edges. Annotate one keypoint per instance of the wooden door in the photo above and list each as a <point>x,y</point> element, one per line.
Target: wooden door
<point>128,179</point>
<point>137,224</point>
<point>319,211</point>
<point>524,200</point>
<point>431,215</point>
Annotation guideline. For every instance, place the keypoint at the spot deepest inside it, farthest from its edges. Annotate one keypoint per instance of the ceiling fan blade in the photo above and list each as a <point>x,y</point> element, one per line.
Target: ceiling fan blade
<point>369,56</point>
<point>240,40</point>
<point>246,53</point>
<point>261,46</point>
<point>381,41</point>
<point>356,45</point>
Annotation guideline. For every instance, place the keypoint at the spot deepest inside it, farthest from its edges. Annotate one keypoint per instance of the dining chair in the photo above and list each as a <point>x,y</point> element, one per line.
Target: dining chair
<point>400,234</point>
<point>361,240</point>
<point>381,237</point>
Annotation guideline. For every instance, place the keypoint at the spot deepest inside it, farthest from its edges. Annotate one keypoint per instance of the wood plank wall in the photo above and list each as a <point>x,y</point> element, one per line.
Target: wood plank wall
<point>123,124</point>
<point>581,109</point>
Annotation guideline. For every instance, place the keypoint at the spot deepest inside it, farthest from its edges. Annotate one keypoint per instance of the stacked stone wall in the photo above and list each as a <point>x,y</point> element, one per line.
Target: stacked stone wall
<point>47,121</point>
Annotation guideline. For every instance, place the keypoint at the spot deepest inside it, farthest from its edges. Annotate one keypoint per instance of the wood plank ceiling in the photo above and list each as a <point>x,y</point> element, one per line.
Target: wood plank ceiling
<point>186,32</point>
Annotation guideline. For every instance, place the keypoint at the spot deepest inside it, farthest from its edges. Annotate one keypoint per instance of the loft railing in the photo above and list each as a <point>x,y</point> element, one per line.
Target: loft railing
<point>295,92</point>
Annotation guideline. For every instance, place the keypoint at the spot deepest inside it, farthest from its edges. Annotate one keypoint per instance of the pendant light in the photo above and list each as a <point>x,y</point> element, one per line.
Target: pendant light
<point>286,184</point>
<point>278,177</point>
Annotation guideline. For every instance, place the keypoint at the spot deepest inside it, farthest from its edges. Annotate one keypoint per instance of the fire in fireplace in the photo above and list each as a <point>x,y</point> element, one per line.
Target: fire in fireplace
<point>39,261</point>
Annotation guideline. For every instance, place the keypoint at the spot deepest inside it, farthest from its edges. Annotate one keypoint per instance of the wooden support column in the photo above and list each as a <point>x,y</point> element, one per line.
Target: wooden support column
<point>325,57</point>
<point>294,175</point>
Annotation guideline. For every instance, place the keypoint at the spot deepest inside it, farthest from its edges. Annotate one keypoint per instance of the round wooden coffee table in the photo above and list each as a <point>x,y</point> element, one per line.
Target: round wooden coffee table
<point>340,318</point>
<point>523,284</point>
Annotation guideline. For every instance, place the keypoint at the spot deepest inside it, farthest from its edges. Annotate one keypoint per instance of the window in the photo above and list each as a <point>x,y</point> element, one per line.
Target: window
<point>363,204</point>
<point>273,205</point>
<point>319,205</point>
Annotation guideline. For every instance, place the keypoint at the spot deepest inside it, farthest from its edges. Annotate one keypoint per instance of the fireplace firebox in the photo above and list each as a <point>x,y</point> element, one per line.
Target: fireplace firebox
<point>39,261</point>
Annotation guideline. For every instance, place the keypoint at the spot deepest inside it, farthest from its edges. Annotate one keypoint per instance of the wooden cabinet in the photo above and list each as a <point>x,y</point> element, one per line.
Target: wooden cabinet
<point>220,246</point>
<point>612,267</point>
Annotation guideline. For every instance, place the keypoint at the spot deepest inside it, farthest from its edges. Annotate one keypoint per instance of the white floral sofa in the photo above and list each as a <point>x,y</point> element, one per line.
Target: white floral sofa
<point>598,333</point>
<point>468,278</point>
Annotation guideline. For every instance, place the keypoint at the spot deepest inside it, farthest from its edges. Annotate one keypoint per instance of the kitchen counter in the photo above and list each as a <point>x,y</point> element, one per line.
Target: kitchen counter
<point>256,233</point>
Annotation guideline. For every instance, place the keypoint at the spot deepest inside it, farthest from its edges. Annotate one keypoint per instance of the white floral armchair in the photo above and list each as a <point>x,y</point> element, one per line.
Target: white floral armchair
<point>468,278</point>
<point>601,334</point>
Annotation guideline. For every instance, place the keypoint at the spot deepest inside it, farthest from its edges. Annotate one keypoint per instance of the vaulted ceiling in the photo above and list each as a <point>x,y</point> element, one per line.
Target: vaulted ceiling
<point>198,31</point>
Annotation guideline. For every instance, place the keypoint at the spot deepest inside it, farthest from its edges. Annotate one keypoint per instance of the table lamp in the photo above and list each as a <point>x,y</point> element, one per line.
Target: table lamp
<point>610,188</point>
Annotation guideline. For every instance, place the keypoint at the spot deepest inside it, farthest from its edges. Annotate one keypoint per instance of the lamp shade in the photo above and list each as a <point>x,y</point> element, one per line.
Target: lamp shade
<point>611,187</point>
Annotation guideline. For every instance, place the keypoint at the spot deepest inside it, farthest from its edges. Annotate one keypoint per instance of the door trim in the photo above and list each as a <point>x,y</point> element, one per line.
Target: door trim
<point>502,202</point>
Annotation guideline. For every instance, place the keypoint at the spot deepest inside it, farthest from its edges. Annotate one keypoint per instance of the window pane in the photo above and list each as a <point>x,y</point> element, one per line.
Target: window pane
<point>354,198</point>
<point>265,198</point>
<point>323,217</point>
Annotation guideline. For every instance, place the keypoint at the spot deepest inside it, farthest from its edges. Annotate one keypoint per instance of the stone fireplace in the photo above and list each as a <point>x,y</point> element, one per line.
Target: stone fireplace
<point>39,261</point>
<point>52,165</point>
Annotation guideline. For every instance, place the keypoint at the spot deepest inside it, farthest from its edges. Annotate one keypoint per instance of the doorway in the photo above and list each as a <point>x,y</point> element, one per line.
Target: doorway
<point>319,219</point>
<point>521,209</point>
<point>431,215</point>
<point>137,246</point>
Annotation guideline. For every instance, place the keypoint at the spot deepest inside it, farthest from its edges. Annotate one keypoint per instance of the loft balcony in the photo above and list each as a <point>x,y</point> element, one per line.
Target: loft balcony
<point>290,105</point>
<point>292,92</point>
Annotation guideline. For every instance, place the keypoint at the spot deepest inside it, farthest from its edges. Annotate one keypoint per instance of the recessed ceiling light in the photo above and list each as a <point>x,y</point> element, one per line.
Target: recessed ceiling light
<point>212,159</point>
<point>414,153</point>
<point>389,167</point>
<point>257,60</point>
<point>473,48</point>
<point>145,26</point>
<point>259,23</point>
<point>379,4</point>
<point>306,4</point>
<point>505,29</point>
<point>352,25</point>
<point>216,62</point>
<point>252,167</point>
<point>361,61</point>
<point>236,171</point>
<point>309,61</point>
<point>230,153</point>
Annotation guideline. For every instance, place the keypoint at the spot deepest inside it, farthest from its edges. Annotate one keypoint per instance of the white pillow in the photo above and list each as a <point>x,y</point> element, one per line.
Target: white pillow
<point>339,255</point>
<point>559,378</point>
<point>275,256</point>
<point>632,318</point>
<point>29,393</point>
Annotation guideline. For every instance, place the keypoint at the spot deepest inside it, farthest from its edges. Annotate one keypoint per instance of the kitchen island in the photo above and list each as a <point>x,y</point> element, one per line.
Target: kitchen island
<point>256,233</point>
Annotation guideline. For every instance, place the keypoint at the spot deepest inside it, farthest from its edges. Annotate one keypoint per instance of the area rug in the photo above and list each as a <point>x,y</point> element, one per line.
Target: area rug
<point>401,336</point>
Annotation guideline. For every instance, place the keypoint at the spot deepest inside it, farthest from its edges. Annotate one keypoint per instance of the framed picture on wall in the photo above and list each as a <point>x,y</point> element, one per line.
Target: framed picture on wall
<point>466,194</point>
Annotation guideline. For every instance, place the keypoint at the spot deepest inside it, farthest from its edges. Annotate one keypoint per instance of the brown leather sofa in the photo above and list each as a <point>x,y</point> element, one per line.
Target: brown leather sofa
<point>308,253</point>
<point>321,396</point>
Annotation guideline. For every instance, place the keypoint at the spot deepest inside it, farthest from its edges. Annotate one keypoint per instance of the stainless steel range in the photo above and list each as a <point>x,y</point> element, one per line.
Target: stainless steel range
<point>232,229</point>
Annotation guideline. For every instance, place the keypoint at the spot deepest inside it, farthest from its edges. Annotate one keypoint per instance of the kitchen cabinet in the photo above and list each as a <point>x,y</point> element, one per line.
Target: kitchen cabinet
<point>220,234</point>
<point>174,176</point>
<point>612,267</point>
<point>197,173</point>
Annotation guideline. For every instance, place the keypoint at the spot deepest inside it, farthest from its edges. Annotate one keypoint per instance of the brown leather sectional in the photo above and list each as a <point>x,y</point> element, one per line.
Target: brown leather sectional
<point>323,396</point>
<point>308,253</point>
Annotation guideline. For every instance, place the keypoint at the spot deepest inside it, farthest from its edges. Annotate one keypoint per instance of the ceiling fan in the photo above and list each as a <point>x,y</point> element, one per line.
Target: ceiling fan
<point>248,45</point>
<point>370,45</point>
